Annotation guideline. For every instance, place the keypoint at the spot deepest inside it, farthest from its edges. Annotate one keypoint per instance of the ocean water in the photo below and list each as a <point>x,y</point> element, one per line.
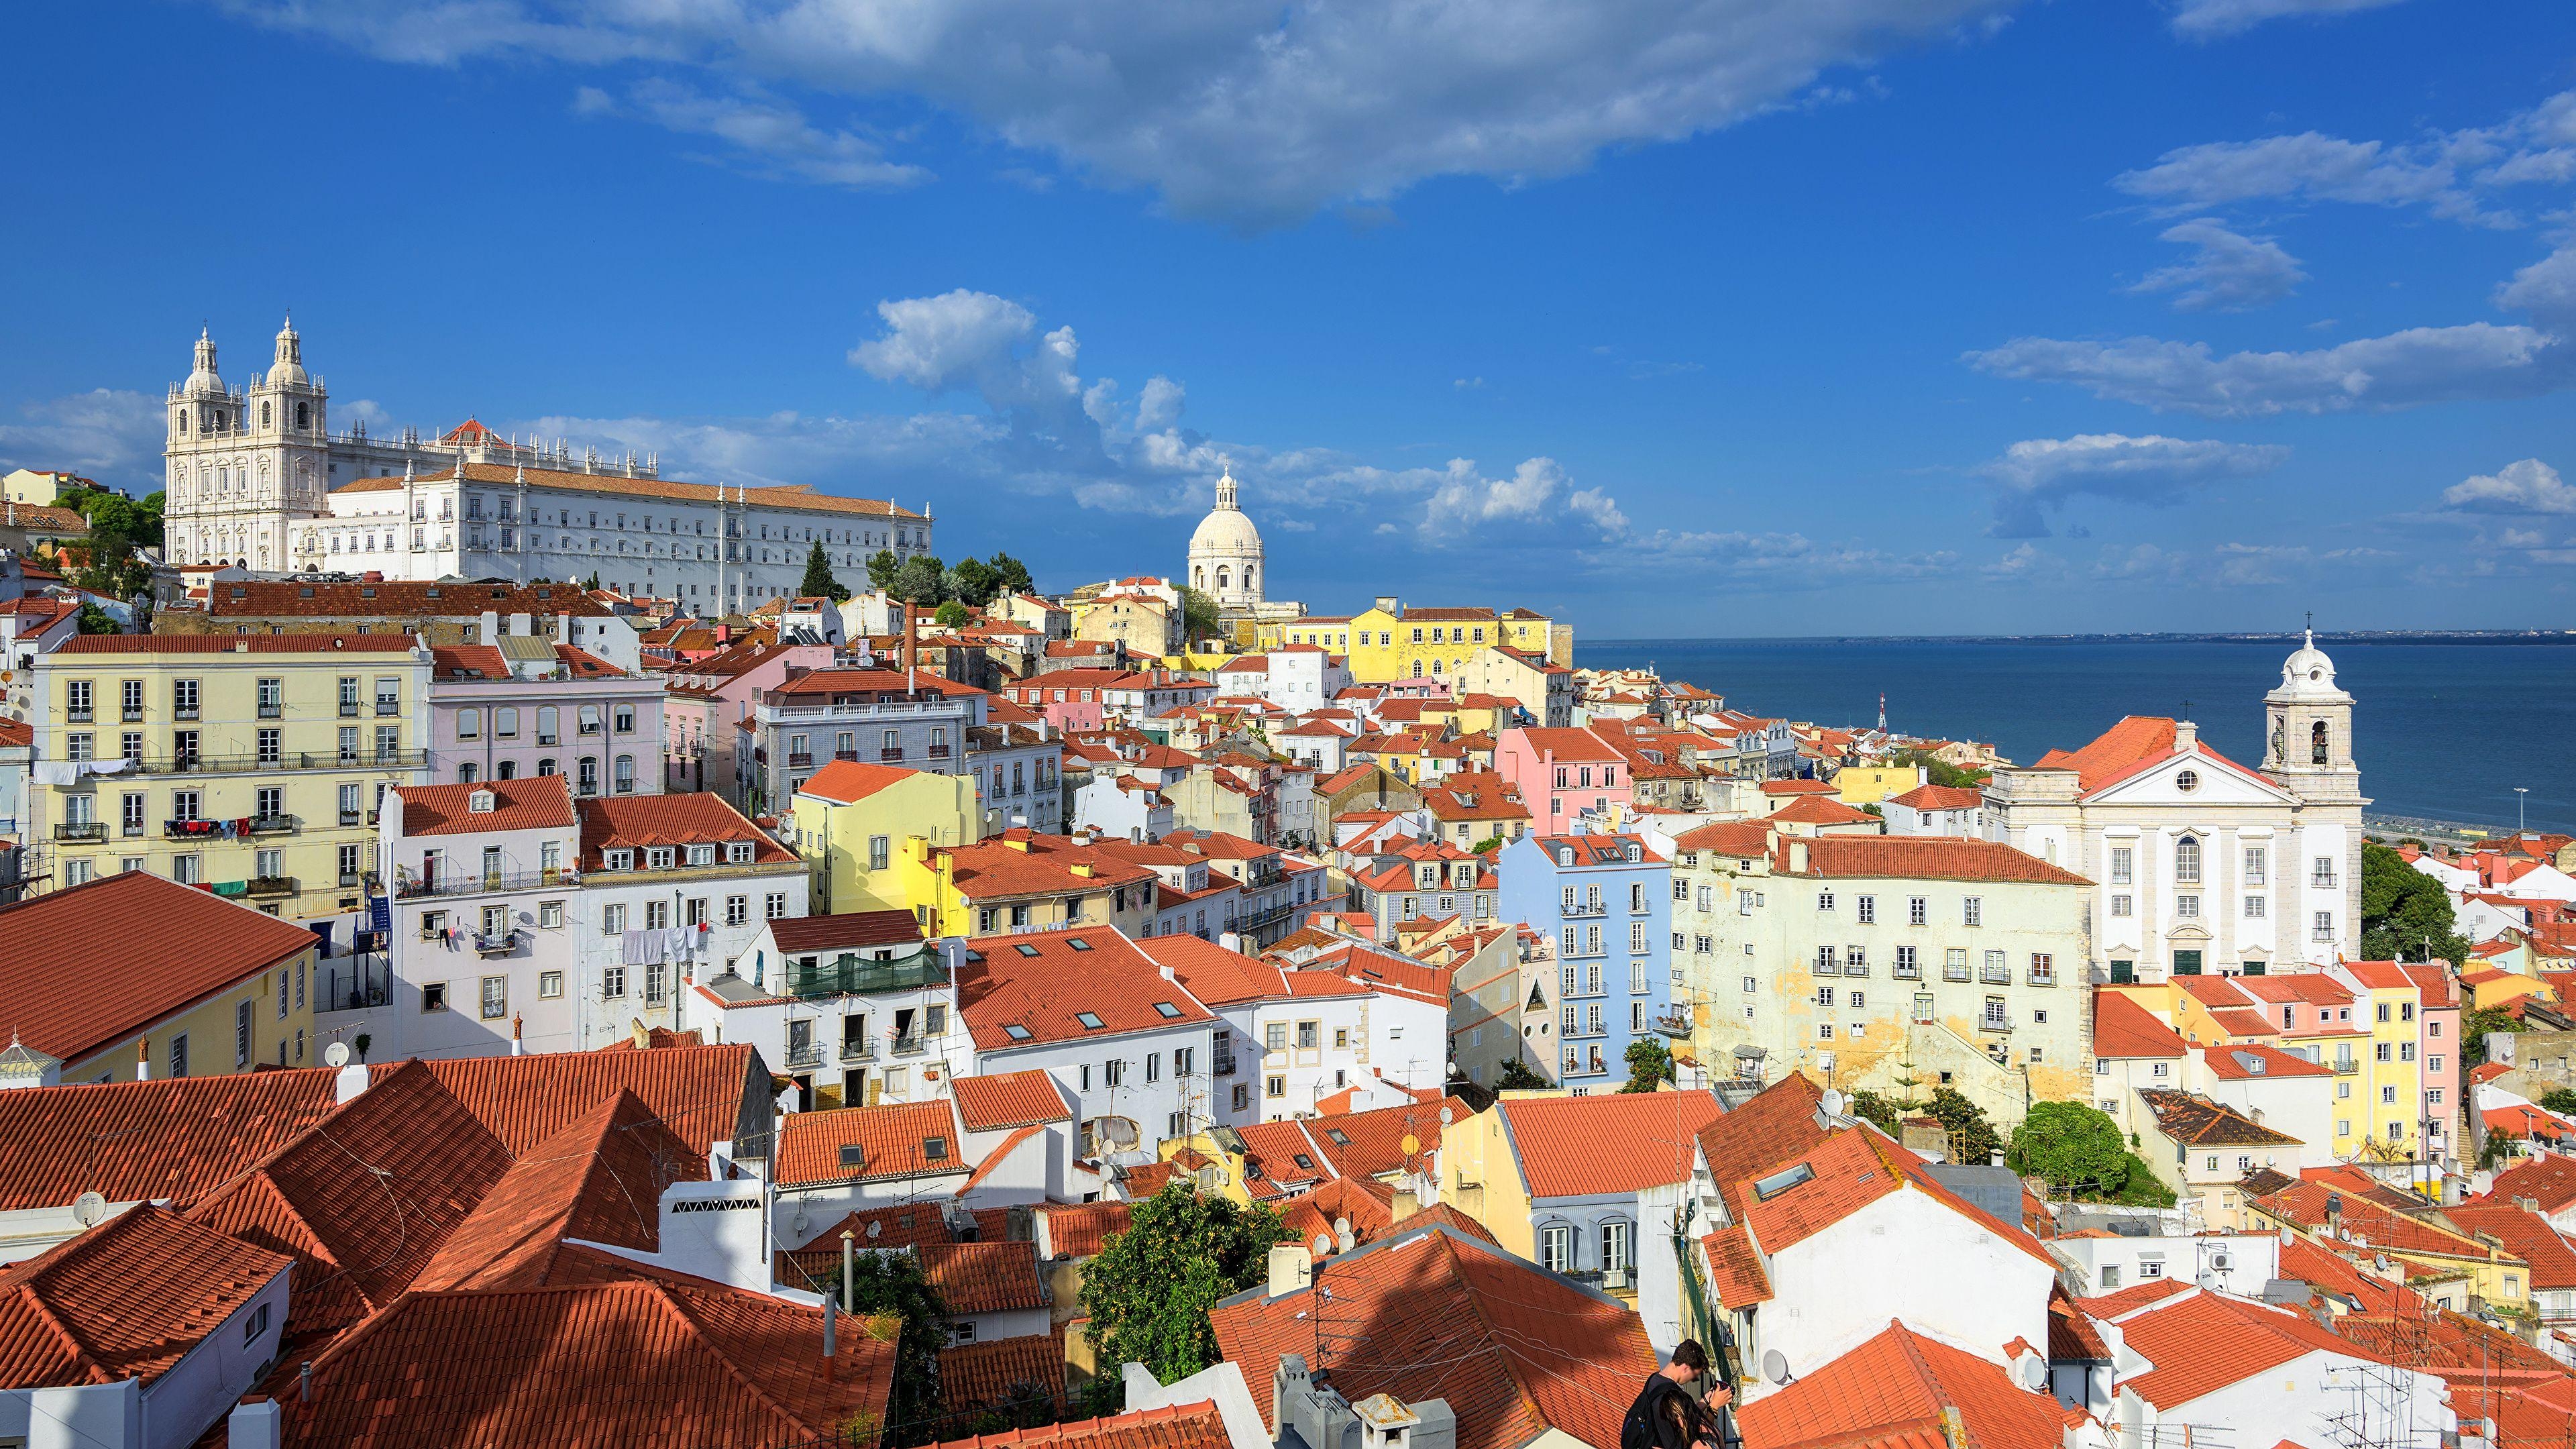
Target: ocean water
<point>2443,731</point>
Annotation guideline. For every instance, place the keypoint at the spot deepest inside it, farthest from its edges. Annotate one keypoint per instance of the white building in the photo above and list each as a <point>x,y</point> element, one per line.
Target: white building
<point>2199,864</point>
<point>1937,810</point>
<point>1301,1035</point>
<point>1225,552</point>
<point>1113,1028</point>
<point>857,1009</point>
<point>256,476</point>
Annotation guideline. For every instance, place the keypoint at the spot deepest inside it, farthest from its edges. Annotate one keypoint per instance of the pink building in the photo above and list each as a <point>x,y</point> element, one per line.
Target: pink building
<point>705,704</point>
<point>1561,773</point>
<point>2437,1051</point>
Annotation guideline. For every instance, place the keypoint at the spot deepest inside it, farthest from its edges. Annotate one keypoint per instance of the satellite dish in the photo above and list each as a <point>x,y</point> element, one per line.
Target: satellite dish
<point>336,1054</point>
<point>1323,1245</point>
<point>875,1228</point>
<point>89,1209</point>
<point>1345,1240</point>
<point>2034,1374</point>
<point>1342,1227</point>
<point>1411,1144</point>
<point>1832,1102</point>
<point>1444,1116</point>
<point>1775,1365</point>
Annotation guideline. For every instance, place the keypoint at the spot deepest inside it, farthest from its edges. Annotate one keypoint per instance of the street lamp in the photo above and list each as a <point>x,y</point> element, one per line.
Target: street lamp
<point>2519,792</point>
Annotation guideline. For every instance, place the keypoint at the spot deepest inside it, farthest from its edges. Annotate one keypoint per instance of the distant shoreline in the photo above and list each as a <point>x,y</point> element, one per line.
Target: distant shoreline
<point>2355,636</point>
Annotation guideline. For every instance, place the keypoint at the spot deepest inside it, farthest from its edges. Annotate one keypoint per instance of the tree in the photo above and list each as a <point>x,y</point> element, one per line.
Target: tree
<point>1517,1077</point>
<point>952,615</point>
<point>2474,1027</point>
<point>1970,1132</point>
<point>2402,908</point>
<point>1150,1289</point>
<point>974,581</point>
<point>95,620</point>
<point>2561,1100</point>
<point>1938,771</point>
<point>892,1285</point>
<point>2499,1150</point>
<point>882,566</point>
<point>594,580</point>
<point>818,582</point>
<point>1198,616</point>
<point>2076,1148</point>
<point>1650,1064</point>
<point>1887,1113</point>
<point>919,581</point>
<point>1011,576</point>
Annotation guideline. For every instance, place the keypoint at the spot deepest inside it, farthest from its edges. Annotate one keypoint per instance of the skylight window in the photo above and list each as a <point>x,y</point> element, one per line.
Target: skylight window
<point>1089,1019</point>
<point>1078,944</point>
<point>1303,1161</point>
<point>1016,1032</point>
<point>1166,1009</point>
<point>1767,1188</point>
<point>935,1149</point>
<point>1025,949</point>
<point>1340,1138</point>
<point>853,1155</point>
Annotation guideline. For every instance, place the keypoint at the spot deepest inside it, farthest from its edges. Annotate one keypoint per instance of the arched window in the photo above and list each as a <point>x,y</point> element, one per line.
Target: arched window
<point>625,774</point>
<point>465,773</point>
<point>506,770</point>
<point>2319,748</point>
<point>303,416</point>
<point>183,420</point>
<point>264,415</point>
<point>1220,576</point>
<point>588,782</point>
<point>2187,860</point>
<point>546,767</point>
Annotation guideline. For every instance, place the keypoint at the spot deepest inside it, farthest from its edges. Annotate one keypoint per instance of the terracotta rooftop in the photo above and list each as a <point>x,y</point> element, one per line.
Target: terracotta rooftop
<point>164,946</point>
<point>1513,1349</point>
<point>639,822</point>
<point>175,1137</point>
<point>1894,1390</point>
<point>796,497</point>
<point>396,599</point>
<point>2202,1342</point>
<point>1617,1143</point>
<point>2186,1117</point>
<point>1940,797</point>
<point>1040,988</point>
<point>531,802</point>
<point>703,1094</point>
<point>124,1300</point>
<point>849,930</point>
<point>1010,1099</point>
<point>1184,1426</point>
<point>1918,857</point>
<point>846,782</point>
<point>860,1144</point>
<point>998,1374</point>
<point>1081,1232</point>
<point>983,1277</point>
<point>2122,1029</point>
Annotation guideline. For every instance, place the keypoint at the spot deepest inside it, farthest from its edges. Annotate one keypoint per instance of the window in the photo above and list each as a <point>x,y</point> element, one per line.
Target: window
<point>1555,1247</point>
<point>1918,911</point>
<point>2121,906</point>
<point>496,997</point>
<point>776,906</point>
<point>1824,900</point>
<point>1614,1246</point>
<point>241,1034</point>
<point>2123,864</point>
<point>2254,908</point>
<point>1865,910</point>
<point>1972,911</point>
<point>2187,860</point>
<point>2322,927</point>
<point>1275,1086</point>
<point>469,724</point>
<point>1907,967</point>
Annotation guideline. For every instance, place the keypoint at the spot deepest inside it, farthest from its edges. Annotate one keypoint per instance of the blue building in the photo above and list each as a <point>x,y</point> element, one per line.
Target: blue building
<point>1606,901</point>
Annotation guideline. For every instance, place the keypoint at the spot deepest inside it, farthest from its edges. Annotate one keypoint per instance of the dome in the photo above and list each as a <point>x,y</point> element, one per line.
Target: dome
<point>204,378</point>
<point>1225,531</point>
<point>289,367</point>
<point>2308,673</point>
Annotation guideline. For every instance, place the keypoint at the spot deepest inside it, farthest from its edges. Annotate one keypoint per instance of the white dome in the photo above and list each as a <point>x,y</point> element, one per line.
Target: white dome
<point>204,378</point>
<point>289,366</point>
<point>2308,673</point>
<point>1225,531</point>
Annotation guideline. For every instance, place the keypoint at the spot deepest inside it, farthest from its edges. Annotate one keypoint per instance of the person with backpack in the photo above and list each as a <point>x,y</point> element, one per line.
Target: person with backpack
<point>1665,1416</point>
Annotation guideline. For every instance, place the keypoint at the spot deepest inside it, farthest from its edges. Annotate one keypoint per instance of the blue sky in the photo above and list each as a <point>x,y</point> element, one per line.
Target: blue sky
<point>1716,318</point>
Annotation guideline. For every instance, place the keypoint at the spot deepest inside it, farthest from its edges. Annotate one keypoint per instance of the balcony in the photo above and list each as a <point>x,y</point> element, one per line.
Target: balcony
<point>132,714</point>
<point>939,752</point>
<point>804,1054</point>
<point>387,704</point>
<point>272,711</point>
<point>274,824</point>
<point>85,830</point>
<point>858,1049</point>
<point>1995,1024</point>
<point>495,945</point>
<point>2345,1066</point>
<point>800,762</point>
<point>474,883</point>
<point>1224,1066</point>
<point>271,885</point>
<point>1589,912</point>
<point>852,975</point>
<point>183,711</point>
<point>256,763</point>
<point>352,817</point>
<point>1676,1025</point>
<point>910,1044</point>
<point>891,757</point>
<point>1903,971</point>
<point>77,716</point>
<point>348,709</point>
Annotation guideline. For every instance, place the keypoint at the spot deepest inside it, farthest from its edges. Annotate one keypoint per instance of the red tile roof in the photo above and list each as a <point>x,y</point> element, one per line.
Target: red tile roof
<point>1918,857</point>
<point>1514,1350</point>
<point>533,802</point>
<point>1939,797</point>
<point>634,822</point>
<point>908,1139</point>
<point>2135,740</point>
<point>799,497</point>
<point>2202,1342</point>
<point>554,1368</point>
<point>2549,1181</point>
<point>1820,810</point>
<point>1081,1232</point>
<point>1735,1268</point>
<point>1183,1426</point>
<point>998,869</point>
<point>846,931</point>
<point>600,1180</point>
<point>846,782</point>
<point>1777,1126</point>
<point>1010,1099</point>
<point>980,1277</point>
<point>703,1094</point>
<point>1618,1143</point>
<point>236,644</point>
<point>1043,983</point>
<point>2248,1059</point>
<point>2366,1223</point>
<point>2526,1235</point>
<point>175,1138</point>
<point>467,661</point>
<point>997,1373</point>
<point>162,946</point>
<point>1893,1390</point>
<point>1852,1168</point>
<point>125,1300</point>
<point>1743,838</point>
<point>2122,1029</point>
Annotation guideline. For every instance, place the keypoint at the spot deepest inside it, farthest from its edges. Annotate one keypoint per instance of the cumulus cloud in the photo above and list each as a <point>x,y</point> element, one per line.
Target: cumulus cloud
<point>1722,559</point>
<point>767,135</point>
<point>2226,273</point>
<point>2530,486</point>
<point>2036,477</point>
<point>112,436</point>
<point>2209,19</point>
<point>1234,109</point>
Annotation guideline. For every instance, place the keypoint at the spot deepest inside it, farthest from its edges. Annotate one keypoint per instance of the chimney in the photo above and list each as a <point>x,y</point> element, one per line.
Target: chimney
<point>1797,857</point>
<point>304,1383</point>
<point>143,1059</point>
<point>2186,734</point>
<point>911,643</point>
<point>831,1337</point>
<point>255,1423</point>
<point>1291,1268</point>
<point>351,1082</point>
<point>518,1034</point>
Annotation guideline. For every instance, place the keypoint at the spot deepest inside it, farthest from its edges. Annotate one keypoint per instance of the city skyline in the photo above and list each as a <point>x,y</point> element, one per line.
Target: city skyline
<point>1924,319</point>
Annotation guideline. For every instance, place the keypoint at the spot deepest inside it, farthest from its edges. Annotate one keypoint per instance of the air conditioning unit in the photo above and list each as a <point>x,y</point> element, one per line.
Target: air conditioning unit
<point>2219,1262</point>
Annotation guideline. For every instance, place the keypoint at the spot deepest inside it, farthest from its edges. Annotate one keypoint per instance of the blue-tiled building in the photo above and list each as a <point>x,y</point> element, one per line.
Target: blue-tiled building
<point>1606,900</point>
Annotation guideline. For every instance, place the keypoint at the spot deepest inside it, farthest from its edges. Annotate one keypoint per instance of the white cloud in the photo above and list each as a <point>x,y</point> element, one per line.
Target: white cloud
<point>2208,19</point>
<point>2402,369</point>
<point>2025,564</point>
<point>2546,289</point>
<point>2227,273</point>
<point>767,135</point>
<point>945,343</point>
<point>1601,508</point>
<point>1237,109</point>
<point>2139,561</point>
<point>2529,486</point>
<point>1718,560</point>
<point>1468,498</point>
<point>112,436</point>
<point>2037,477</point>
<point>2445,171</point>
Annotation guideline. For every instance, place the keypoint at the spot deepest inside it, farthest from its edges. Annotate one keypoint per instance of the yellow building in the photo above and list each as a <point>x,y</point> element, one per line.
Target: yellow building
<point>132,973</point>
<point>1390,642</point>
<point>853,822</point>
<point>1489,714</point>
<point>1019,882</point>
<point>1872,784</point>
<point>1484,1176</point>
<point>250,764</point>
<point>2386,1000</point>
<point>39,485</point>
<point>1147,624</point>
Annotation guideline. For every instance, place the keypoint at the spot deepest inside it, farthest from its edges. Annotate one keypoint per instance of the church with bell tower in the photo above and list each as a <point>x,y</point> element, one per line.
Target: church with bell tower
<point>243,462</point>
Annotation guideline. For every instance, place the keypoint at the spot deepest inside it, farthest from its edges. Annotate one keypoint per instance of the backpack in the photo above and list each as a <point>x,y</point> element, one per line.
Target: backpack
<point>1638,1431</point>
